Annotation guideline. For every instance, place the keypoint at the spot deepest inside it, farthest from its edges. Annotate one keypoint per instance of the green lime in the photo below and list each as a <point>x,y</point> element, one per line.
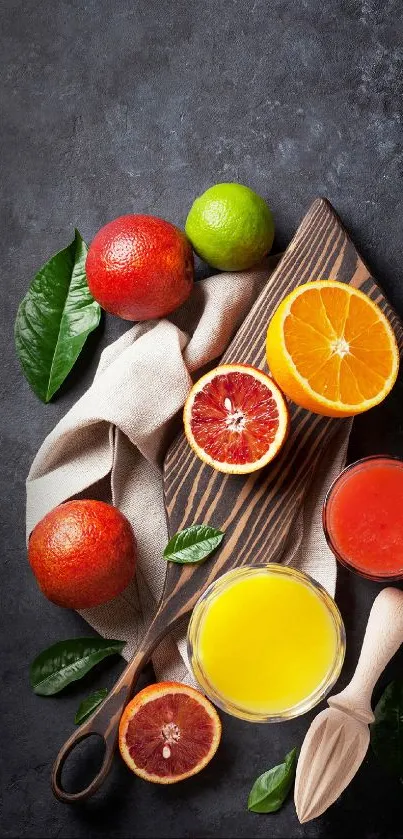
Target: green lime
<point>230,227</point>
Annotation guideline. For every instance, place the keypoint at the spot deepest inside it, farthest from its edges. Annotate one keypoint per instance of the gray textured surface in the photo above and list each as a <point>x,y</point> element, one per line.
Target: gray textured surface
<point>139,106</point>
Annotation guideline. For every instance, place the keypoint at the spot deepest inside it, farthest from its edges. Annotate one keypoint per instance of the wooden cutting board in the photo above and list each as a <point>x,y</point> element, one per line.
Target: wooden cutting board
<point>257,511</point>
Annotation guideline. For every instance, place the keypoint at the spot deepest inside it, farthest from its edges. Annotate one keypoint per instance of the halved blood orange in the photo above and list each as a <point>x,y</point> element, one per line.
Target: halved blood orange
<point>168,732</point>
<point>331,349</point>
<point>236,419</point>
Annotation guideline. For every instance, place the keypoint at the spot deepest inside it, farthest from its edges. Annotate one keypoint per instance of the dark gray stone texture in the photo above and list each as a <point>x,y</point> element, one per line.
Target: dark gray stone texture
<point>139,105</point>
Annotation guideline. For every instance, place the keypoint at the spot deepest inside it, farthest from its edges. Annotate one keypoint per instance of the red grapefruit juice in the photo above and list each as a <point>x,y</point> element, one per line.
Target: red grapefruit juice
<point>363,517</point>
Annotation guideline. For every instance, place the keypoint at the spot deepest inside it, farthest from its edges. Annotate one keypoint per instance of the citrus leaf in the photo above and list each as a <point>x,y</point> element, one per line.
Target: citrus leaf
<point>193,544</point>
<point>68,661</point>
<point>271,789</point>
<point>387,730</point>
<point>54,319</point>
<point>88,705</point>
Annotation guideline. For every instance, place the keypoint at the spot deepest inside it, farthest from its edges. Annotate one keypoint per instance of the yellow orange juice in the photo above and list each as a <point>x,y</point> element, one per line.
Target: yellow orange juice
<point>266,643</point>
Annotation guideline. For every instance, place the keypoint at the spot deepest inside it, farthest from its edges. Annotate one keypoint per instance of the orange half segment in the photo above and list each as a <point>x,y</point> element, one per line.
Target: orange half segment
<point>236,419</point>
<point>331,349</point>
<point>168,732</point>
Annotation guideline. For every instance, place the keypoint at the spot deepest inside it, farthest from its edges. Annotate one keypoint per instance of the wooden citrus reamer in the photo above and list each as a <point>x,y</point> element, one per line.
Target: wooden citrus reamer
<point>337,740</point>
<point>257,511</point>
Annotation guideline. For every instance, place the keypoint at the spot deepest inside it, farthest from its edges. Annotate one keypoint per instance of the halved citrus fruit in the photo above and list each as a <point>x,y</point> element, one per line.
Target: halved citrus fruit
<point>168,732</point>
<point>236,419</point>
<point>331,349</point>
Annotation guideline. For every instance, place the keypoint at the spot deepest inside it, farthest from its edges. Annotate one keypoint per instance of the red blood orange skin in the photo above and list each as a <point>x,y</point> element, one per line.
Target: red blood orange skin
<point>140,267</point>
<point>169,732</point>
<point>83,553</point>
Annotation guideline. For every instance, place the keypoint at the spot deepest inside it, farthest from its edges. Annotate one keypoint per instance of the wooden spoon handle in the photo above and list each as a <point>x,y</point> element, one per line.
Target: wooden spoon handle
<point>104,723</point>
<point>383,636</point>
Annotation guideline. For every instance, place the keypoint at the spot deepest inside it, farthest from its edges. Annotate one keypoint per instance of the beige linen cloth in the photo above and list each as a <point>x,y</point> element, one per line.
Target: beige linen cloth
<point>111,444</point>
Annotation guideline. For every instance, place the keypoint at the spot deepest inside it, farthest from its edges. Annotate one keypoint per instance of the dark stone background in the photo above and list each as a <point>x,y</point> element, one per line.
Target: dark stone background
<point>139,105</point>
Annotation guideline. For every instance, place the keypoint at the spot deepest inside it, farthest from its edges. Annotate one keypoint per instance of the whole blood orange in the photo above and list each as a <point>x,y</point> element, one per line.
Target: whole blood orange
<point>83,553</point>
<point>140,267</point>
<point>331,349</point>
<point>168,732</point>
<point>236,419</point>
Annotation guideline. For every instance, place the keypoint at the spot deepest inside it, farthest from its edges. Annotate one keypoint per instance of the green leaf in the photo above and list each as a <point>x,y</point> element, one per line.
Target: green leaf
<point>387,730</point>
<point>68,661</point>
<point>88,705</point>
<point>193,544</point>
<point>54,319</point>
<point>271,789</point>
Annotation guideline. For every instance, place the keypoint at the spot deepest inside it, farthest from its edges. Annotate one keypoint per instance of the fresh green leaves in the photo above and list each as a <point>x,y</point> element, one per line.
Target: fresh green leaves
<point>88,705</point>
<point>193,544</point>
<point>68,661</point>
<point>271,789</point>
<point>54,319</point>
<point>387,730</point>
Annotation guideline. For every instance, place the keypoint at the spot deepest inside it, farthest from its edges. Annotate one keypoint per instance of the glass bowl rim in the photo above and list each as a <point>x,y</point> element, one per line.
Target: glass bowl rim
<point>377,578</point>
<point>317,695</point>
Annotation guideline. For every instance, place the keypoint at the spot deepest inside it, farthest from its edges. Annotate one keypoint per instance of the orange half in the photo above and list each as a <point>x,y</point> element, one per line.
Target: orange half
<point>236,419</point>
<point>168,732</point>
<point>331,349</point>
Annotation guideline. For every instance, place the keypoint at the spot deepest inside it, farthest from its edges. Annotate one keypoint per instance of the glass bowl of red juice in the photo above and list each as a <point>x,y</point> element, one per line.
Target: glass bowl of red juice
<point>363,517</point>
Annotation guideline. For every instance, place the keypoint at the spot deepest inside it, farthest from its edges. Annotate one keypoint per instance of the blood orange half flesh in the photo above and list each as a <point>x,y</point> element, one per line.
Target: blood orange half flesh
<point>168,732</point>
<point>236,419</point>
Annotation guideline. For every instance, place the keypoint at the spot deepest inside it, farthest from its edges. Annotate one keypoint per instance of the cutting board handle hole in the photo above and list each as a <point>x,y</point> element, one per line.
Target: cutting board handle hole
<point>82,764</point>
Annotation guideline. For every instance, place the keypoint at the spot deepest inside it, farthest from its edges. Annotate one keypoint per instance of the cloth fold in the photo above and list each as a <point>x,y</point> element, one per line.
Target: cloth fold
<point>112,442</point>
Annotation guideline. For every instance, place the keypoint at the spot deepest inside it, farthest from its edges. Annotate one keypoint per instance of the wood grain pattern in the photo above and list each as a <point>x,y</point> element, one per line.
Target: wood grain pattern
<point>256,511</point>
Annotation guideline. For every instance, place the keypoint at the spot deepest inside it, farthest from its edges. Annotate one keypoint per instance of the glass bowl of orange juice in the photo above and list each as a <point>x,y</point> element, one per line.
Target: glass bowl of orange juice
<point>266,643</point>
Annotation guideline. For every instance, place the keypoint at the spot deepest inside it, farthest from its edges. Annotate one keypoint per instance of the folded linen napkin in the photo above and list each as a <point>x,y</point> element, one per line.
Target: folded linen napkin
<point>111,445</point>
